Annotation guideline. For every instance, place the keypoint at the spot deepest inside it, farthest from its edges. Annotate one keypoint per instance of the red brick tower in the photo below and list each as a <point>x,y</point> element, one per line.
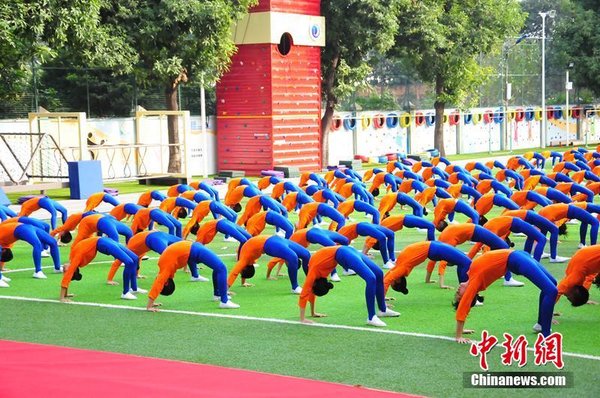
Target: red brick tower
<point>269,103</point>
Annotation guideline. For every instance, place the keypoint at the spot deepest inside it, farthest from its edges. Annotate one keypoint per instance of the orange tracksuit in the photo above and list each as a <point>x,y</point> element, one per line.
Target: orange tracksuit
<point>454,235</point>
<point>413,255</point>
<point>321,264</point>
<point>443,208</point>
<point>582,269</point>
<point>199,213</point>
<point>72,222</point>
<point>173,258</point>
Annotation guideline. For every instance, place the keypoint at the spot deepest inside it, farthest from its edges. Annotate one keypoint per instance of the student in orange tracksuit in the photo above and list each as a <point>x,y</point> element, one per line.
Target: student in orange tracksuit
<point>104,224</point>
<point>140,244</point>
<point>257,223</point>
<point>389,201</point>
<point>528,200</point>
<point>147,197</point>
<point>310,211</point>
<point>320,266</point>
<point>233,198</point>
<point>581,272</point>
<point>485,204</point>
<point>307,236</point>
<point>258,203</point>
<point>354,188</point>
<point>234,183</point>
<point>202,209</point>
<point>560,212</point>
<point>295,200</point>
<point>145,218</point>
<point>396,223</point>
<point>177,256</point>
<point>490,267</point>
<point>553,195</point>
<point>415,253</point>
<point>177,189</point>
<point>458,234</point>
<point>172,203</point>
<point>10,232</point>
<point>64,231</point>
<point>294,255</point>
<point>430,194</point>
<point>383,236</point>
<point>84,252</point>
<point>323,195</point>
<point>348,206</point>
<point>44,202</point>
<point>207,231</point>
<point>95,199</point>
<point>124,211</point>
<point>447,207</point>
<point>308,176</point>
<point>212,193</point>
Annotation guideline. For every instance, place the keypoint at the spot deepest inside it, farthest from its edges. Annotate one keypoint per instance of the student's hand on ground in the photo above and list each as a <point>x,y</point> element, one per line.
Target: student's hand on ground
<point>307,321</point>
<point>70,295</point>
<point>152,309</point>
<point>389,305</point>
<point>592,302</point>
<point>231,293</point>
<point>318,315</point>
<point>463,340</point>
<point>141,276</point>
<point>431,281</point>
<point>390,298</point>
<point>112,283</point>
<point>65,300</point>
<point>272,278</point>
<point>468,331</point>
<point>247,284</point>
<point>446,287</point>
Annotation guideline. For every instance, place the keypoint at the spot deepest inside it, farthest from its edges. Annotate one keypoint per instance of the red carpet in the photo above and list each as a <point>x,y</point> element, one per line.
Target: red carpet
<point>28,370</point>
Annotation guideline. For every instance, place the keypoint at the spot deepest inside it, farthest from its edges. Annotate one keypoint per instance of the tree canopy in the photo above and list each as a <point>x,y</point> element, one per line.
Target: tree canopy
<point>444,39</point>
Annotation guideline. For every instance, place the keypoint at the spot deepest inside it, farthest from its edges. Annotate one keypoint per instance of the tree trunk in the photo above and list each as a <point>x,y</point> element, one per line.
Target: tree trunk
<point>173,128</point>
<point>330,103</point>
<point>438,132</point>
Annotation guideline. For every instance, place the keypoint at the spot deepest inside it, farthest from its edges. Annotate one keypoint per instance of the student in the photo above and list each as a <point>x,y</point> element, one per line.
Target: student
<point>207,231</point>
<point>350,205</point>
<point>203,209</point>
<point>396,223</point>
<point>529,200</point>
<point>95,199</point>
<point>101,224</point>
<point>485,204</point>
<point>447,207</point>
<point>383,236</point>
<point>146,198</point>
<point>6,212</point>
<point>178,189</point>
<point>490,267</point>
<point>581,272</point>
<point>415,253</point>
<point>44,202</point>
<point>177,256</point>
<point>233,198</point>
<point>323,195</point>
<point>320,266</point>
<point>389,201</point>
<point>195,196</point>
<point>145,218</point>
<point>305,237</point>
<point>258,203</point>
<point>38,239</point>
<point>140,244</point>
<point>559,212</point>
<point>257,223</point>
<point>310,211</point>
<point>458,234</point>
<point>294,255</point>
<point>84,252</point>
<point>177,206</point>
<point>208,188</point>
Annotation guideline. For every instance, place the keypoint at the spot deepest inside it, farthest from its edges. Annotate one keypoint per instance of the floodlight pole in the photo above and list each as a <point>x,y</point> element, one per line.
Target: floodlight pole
<point>544,132</point>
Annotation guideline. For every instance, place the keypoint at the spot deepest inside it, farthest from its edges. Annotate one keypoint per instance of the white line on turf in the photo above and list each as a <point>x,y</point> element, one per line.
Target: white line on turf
<point>270,320</point>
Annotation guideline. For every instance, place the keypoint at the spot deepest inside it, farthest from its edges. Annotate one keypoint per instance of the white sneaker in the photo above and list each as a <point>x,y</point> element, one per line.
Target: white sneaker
<point>128,296</point>
<point>229,239</point>
<point>280,233</point>
<point>218,298</point>
<point>317,226</point>
<point>559,259</point>
<point>335,278</point>
<point>229,304</point>
<point>324,223</point>
<point>144,258</point>
<point>375,321</point>
<point>58,271</point>
<point>348,272</point>
<point>422,230</point>
<point>580,246</point>
<point>573,221</point>
<point>537,328</point>
<point>389,265</point>
<point>297,290</point>
<point>45,253</point>
<point>478,303</point>
<point>519,234</point>
<point>388,313</point>
<point>200,278</point>
<point>5,278</point>
<point>513,283</point>
<point>256,265</point>
<point>545,255</point>
<point>3,284</point>
<point>138,291</point>
<point>39,275</point>
<point>453,222</point>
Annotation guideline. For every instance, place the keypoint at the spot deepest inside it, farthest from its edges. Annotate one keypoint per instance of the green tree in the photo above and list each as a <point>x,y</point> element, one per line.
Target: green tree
<point>34,31</point>
<point>577,39</point>
<point>444,40</point>
<point>175,42</point>
<point>355,31</point>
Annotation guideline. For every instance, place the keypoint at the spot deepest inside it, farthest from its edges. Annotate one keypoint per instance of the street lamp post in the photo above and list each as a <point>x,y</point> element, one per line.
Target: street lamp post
<point>568,87</point>
<point>544,132</point>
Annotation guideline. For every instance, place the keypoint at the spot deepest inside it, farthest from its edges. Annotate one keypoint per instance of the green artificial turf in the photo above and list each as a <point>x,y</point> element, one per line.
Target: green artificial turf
<point>417,365</point>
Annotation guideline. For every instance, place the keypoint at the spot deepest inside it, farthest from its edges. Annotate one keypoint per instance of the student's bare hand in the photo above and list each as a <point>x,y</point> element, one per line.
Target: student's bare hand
<point>112,283</point>
<point>592,302</point>
<point>271,278</point>
<point>431,281</point>
<point>390,298</point>
<point>70,295</point>
<point>307,321</point>
<point>247,284</point>
<point>318,315</point>
<point>141,276</point>
<point>446,287</point>
<point>463,340</point>
<point>65,300</point>
<point>468,331</point>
